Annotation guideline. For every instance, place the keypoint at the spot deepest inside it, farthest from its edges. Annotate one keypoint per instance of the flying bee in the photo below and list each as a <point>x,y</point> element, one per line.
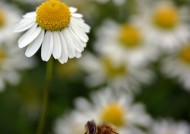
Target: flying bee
<point>91,128</point>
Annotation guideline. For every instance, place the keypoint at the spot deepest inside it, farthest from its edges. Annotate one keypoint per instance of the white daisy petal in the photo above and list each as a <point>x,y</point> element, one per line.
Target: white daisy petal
<point>69,43</point>
<point>72,9</point>
<point>29,36</point>
<point>77,15</point>
<point>30,15</point>
<point>24,25</point>
<point>35,45</point>
<point>78,44</point>
<point>57,45</point>
<point>47,46</point>
<point>78,54</point>
<point>64,55</point>
<point>77,30</point>
<point>82,25</point>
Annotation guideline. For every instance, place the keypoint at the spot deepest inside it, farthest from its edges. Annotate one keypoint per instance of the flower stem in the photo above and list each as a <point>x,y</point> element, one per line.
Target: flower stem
<point>48,78</point>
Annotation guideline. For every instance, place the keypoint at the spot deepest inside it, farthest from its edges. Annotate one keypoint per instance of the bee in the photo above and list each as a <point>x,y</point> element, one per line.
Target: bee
<point>92,128</point>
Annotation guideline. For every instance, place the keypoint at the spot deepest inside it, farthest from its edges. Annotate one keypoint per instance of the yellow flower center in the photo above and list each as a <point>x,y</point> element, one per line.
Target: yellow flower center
<point>129,35</point>
<point>184,54</point>
<point>113,114</point>
<point>53,15</point>
<point>2,18</point>
<point>2,56</point>
<point>111,69</point>
<point>166,17</point>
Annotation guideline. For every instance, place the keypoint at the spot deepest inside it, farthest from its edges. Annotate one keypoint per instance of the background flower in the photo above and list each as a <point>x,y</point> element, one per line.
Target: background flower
<point>114,108</point>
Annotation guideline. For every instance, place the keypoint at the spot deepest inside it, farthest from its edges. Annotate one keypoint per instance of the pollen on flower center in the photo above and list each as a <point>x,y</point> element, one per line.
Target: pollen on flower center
<point>166,17</point>
<point>129,35</point>
<point>111,69</point>
<point>2,18</point>
<point>53,15</point>
<point>185,54</point>
<point>113,114</point>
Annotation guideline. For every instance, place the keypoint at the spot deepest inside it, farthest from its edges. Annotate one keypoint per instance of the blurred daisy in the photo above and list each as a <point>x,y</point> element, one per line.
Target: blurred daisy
<point>177,65</point>
<point>12,62</point>
<point>126,41</point>
<point>169,127</point>
<point>9,15</point>
<point>116,2</point>
<point>165,24</point>
<point>70,124</point>
<point>113,108</point>
<point>57,28</point>
<point>114,72</point>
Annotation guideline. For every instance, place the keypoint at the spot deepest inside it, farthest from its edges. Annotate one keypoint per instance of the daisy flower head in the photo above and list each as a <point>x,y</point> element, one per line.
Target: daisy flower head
<point>106,69</point>
<point>165,23</point>
<point>56,28</point>
<point>169,127</point>
<point>126,41</point>
<point>113,108</point>
<point>177,65</point>
<point>9,15</point>
<point>12,63</point>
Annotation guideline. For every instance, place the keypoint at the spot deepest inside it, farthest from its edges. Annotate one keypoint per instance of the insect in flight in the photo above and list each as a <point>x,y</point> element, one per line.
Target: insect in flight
<point>92,128</point>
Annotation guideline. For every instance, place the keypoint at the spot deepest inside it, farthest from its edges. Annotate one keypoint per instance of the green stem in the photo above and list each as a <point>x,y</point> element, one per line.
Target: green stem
<point>48,78</point>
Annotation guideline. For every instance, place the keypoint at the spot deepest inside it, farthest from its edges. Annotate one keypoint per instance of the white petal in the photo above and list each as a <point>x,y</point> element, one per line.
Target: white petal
<point>69,43</point>
<point>29,36</point>
<point>78,54</point>
<point>56,45</point>
<point>30,15</point>
<point>82,25</point>
<point>78,44</point>
<point>77,15</point>
<point>35,45</point>
<point>47,46</point>
<point>64,55</point>
<point>72,9</point>
<point>24,25</point>
<point>78,31</point>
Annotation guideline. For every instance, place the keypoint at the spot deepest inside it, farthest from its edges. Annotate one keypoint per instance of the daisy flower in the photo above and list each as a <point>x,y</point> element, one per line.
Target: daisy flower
<point>56,28</point>
<point>113,72</point>
<point>11,63</point>
<point>113,108</point>
<point>169,127</point>
<point>165,24</point>
<point>9,15</point>
<point>177,65</point>
<point>126,41</point>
